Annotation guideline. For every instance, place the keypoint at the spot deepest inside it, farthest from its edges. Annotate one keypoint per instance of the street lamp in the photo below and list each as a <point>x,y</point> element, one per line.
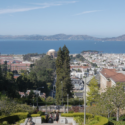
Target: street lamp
<point>37,94</point>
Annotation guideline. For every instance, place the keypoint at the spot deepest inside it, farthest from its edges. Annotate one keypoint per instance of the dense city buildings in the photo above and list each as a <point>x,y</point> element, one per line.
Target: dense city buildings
<point>109,68</point>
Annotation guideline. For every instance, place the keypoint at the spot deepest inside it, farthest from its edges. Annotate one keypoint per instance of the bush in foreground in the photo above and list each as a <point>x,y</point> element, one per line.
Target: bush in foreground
<point>92,120</point>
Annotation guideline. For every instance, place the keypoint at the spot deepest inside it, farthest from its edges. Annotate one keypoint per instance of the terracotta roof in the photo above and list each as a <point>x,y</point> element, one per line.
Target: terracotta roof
<point>21,93</point>
<point>84,67</point>
<point>108,72</point>
<point>119,77</point>
<point>112,74</point>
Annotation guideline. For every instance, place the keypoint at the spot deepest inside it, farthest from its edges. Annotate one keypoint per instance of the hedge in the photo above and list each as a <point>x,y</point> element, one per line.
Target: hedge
<point>102,120</point>
<point>43,118</point>
<point>116,123</point>
<point>76,115</point>
<point>14,117</point>
<point>35,115</point>
<point>112,121</point>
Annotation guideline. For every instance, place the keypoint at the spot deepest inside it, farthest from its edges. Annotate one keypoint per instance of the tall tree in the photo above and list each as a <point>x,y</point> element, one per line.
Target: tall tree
<point>67,85</point>
<point>63,83</point>
<point>59,71</point>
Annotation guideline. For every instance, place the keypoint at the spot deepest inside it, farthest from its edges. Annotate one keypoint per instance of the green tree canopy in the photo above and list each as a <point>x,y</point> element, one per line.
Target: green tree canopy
<point>63,82</point>
<point>93,92</point>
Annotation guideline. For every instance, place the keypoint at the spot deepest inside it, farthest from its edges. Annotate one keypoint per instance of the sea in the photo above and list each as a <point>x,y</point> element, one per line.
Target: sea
<point>8,46</point>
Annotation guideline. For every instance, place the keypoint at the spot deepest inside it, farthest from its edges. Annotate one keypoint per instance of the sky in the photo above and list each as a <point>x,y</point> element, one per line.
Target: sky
<point>98,18</point>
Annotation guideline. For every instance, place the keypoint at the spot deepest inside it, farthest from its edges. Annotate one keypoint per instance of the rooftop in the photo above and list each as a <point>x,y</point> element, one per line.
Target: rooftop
<point>112,74</point>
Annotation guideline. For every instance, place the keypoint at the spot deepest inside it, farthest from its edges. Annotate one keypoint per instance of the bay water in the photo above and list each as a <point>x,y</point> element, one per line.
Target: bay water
<point>37,46</point>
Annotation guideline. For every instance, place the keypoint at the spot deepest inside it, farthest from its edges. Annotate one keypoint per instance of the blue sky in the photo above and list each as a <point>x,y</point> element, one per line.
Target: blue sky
<point>100,18</point>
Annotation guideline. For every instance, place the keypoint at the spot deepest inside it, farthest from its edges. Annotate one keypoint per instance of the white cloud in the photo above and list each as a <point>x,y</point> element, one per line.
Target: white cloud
<point>55,3</point>
<point>67,2</point>
<point>4,11</point>
<point>85,12</point>
<point>41,6</point>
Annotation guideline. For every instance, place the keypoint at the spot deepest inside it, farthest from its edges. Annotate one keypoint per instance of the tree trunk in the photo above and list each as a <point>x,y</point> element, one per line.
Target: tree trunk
<point>117,115</point>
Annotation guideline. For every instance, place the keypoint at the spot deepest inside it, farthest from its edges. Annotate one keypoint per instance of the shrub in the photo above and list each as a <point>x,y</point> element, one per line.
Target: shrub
<point>43,118</point>
<point>41,113</point>
<point>22,121</point>
<point>112,121</point>
<point>35,115</point>
<point>79,120</point>
<point>14,117</point>
<point>71,111</point>
<point>102,120</point>
<point>76,115</point>
<point>116,123</point>
<point>93,122</point>
<point>5,123</point>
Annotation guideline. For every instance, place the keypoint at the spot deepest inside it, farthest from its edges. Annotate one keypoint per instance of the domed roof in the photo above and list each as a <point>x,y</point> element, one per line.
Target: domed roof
<point>51,50</point>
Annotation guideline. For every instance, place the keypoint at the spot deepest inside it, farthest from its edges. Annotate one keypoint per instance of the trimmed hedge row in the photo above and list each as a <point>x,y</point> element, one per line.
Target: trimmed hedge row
<point>35,115</point>
<point>14,117</point>
<point>102,120</point>
<point>76,115</point>
<point>17,116</point>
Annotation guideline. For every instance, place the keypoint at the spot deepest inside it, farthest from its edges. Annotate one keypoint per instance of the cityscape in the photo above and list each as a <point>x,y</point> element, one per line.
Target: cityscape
<point>62,62</point>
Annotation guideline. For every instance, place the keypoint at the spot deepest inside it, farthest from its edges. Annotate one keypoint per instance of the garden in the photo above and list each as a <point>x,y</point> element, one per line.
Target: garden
<point>17,118</point>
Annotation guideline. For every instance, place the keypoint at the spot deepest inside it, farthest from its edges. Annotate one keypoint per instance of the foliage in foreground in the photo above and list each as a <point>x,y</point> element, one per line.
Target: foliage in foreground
<point>94,91</point>
<point>9,106</point>
<point>110,101</point>
<point>90,119</point>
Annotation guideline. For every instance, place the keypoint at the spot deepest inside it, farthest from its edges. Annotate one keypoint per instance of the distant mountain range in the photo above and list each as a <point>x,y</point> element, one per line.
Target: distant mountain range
<point>62,37</point>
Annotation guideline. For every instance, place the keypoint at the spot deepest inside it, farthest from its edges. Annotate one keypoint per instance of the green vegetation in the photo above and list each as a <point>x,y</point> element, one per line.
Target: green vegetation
<point>112,121</point>
<point>77,57</point>
<point>9,106</point>
<point>41,74</point>
<point>109,102</point>
<point>90,119</point>
<point>63,83</point>
<point>35,115</point>
<point>29,55</point>
<point>94,91</point>
<point>14,117</point>
<point>93,64</point>
<point>8,84</point>
<point>91,51</point>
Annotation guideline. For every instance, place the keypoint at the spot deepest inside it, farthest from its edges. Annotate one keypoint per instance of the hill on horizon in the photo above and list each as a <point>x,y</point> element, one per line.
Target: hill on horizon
<point>62,37</point>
